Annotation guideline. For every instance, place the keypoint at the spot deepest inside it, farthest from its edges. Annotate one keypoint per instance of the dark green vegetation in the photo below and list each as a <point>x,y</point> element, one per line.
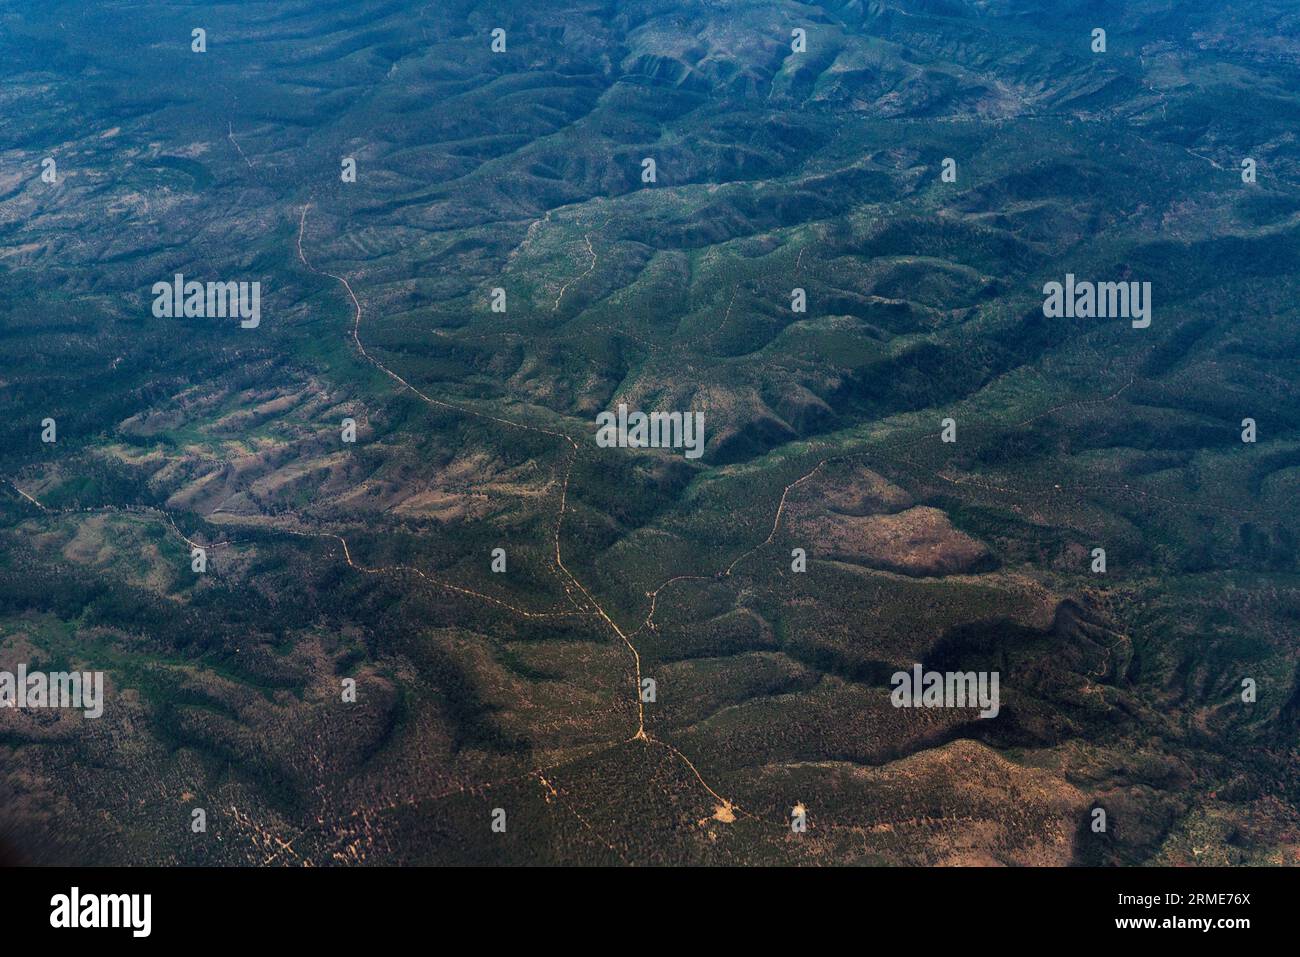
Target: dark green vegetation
<point>775,171</point>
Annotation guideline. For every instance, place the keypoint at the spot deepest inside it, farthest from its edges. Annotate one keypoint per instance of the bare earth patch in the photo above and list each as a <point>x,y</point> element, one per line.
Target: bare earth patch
<point>855,515</point>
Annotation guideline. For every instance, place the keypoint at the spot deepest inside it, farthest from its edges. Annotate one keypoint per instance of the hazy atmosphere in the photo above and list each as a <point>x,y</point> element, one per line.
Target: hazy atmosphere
<point>649,433</point>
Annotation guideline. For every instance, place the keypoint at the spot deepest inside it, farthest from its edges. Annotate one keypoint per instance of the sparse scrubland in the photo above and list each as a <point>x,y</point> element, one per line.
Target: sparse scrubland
<point>775,171</point>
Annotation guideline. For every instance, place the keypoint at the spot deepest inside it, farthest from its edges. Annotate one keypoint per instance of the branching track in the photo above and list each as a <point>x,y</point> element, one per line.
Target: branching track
<point>585,604</point>
<point>589,602</point>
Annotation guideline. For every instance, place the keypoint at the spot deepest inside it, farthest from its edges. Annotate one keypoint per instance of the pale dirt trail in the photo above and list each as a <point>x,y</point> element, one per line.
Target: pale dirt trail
<point>590,600</point>
<point>592,605</point>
